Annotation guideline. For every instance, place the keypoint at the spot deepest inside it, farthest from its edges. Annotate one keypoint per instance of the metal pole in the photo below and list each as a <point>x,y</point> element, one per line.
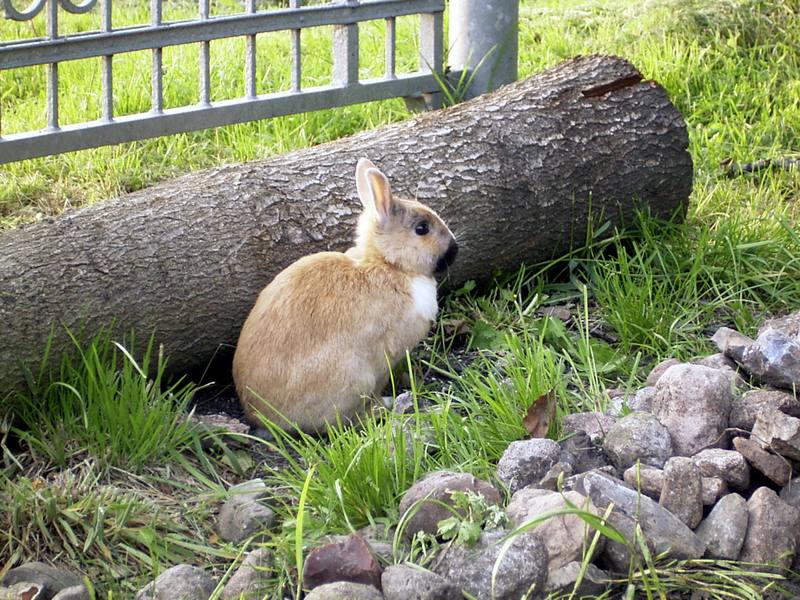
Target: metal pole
<point>483,40</point>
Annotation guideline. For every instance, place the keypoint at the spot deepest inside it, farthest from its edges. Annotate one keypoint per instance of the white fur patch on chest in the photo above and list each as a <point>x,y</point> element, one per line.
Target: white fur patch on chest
<point>423,291</point>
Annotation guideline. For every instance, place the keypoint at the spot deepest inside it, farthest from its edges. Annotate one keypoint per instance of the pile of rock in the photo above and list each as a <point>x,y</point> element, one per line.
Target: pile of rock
<point>699,463</point>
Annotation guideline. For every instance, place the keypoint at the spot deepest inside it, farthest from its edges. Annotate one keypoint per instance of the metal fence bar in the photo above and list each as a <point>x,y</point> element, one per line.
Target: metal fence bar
<point>483,38</point>
<point>390,48</point>
<point>205,61</point>
<point>108,68</point>
<point>296,52</point>
<point>250,58</point>
<point>345,52</point>
<point>52,68</point>
<point>42,51</point>
<point>431,42</point>
<point>343,16</point>
<point>156,73</point>
<point>227,112</point>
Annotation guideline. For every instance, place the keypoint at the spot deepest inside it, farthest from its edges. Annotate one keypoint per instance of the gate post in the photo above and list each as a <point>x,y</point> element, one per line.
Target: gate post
<point>483,40</point>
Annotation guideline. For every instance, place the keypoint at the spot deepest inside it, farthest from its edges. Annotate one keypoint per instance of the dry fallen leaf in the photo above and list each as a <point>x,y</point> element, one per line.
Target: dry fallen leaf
<point>540,415</point>
<point>455,327</point>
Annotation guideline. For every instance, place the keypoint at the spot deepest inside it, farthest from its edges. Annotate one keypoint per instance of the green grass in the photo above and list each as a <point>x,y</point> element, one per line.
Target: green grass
<point>117,534</point>
<point>733,69</point>
<point>104,403</point>
<point>106,472</point>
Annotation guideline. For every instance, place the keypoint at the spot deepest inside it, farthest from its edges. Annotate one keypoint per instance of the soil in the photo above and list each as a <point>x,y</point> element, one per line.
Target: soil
<point>218,398</point>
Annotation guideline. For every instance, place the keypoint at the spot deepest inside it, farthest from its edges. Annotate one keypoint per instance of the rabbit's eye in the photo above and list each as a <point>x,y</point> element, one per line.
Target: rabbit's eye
<point>422,228</point>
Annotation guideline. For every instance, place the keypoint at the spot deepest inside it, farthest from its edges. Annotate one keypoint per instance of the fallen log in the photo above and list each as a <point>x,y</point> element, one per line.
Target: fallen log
<point>518,175</point>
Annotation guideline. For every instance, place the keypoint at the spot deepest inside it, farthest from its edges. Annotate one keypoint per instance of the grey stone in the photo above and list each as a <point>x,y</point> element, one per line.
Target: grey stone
<point>581,453</point>
<point>771,531</point>
<point>616,554</point>
<point>693,402</point>
<point>23,590</point>
<point>788,324</point>
<point>731,343</point>
<point>682,494</point>
<point>659,370</point>
<point>717,361</point>
<point>728,465</point>
<point>51,579</point>
<point>790,493</point>
<point>726,365</point>
<point>575,482</point>
<point>642,400</point>
<point>239,521</point>
<point>181,582</point>
<point>348,558</point>
<point>713,488</point>
<point>663,530</point>
<point>778,431</point>
<point>405,582</point>
<point>404,403</point>
<point>564,579</point>
<point>775,467</point>
<point>617,403</point>
<point>594,424</point>
<point>648,480</point>
<point>638,436</point>
<point>619,556</point>
<point>221,422</point>
<point>380,541</point>
<point>523,566</point>
<point>75,592</point>
<point>745,408</point>
<point>723,530</point>
<point>564,536</point>
<point>344,590</point>
<point>436,488</point>
<point>251,579</point>
<point>558,472</point>
<point>243,514</point>
<point>774,359</point>
<point>526,461</point>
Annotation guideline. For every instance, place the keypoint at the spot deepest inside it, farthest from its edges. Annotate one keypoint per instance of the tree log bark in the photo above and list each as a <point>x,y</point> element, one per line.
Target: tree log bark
<point>518,175</point>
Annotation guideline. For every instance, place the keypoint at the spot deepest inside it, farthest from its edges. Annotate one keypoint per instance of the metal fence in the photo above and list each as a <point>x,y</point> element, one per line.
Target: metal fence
<point>345,88</point>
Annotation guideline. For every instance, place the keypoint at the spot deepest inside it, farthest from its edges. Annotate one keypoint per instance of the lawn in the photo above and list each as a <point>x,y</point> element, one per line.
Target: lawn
<point>732,67</point>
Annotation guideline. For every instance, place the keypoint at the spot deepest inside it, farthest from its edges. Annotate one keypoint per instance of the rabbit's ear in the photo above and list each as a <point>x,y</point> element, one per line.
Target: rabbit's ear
<point>362,185</point>
<point>380,193</point>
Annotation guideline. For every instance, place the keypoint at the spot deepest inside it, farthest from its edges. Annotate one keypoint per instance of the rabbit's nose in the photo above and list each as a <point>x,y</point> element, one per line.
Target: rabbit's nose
<point>448,257</point>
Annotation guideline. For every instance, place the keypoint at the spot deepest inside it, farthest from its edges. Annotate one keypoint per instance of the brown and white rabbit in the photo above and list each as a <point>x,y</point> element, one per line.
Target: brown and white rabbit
<point>323,334</point>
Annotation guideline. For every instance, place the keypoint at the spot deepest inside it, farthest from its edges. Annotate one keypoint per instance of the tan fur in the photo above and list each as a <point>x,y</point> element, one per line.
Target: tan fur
<point>323,333</point>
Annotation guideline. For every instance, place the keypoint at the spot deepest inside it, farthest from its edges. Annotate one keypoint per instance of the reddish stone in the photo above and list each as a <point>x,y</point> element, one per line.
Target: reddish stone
<point>349,559</point>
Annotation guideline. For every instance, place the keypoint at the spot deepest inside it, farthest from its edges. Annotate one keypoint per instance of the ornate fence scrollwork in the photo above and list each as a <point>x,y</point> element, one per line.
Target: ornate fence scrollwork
<point>33,9</point>
<point>36,6</point>
<point>77,9</point>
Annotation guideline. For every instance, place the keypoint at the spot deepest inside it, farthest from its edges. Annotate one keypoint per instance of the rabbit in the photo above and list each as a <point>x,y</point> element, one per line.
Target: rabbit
<point>321,340</point>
